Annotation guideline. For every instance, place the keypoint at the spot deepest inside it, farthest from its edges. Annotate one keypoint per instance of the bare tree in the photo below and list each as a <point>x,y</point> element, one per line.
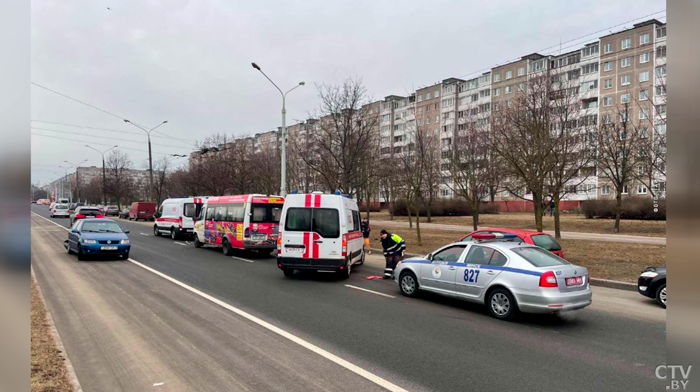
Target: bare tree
<point>91,191</point>
<point>344,137</point>
<point>160,179</point>
<point>120,184</point>
<point>265,165</point>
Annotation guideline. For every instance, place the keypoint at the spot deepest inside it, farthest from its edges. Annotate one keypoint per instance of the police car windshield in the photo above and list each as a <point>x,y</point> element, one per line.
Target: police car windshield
<point>101,227</point>
<point>539,257</point>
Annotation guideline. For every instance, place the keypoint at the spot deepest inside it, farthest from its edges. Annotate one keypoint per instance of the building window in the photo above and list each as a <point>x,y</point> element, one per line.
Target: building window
<point>625,98</point>
<point>625,80</point>
<point>589,68</point>
<point>521,86</point>
<point>661,129</point>
<point>608,66</point>
<point>608,83</point>
<point>589,86</point>
<point>497,91</point>
<point>605,190</point>
<point>607,119</point>
<point>590,50</point>
<point>641,190</point>
<point>607,101</point>
<point>644,58</point>
<point>643,132</point>
<point>497,77</point>
<point>626,62</point>
<point>437,93</point>
<point>427,95</point>
<point>485,93</point>
<point>661,90</point>
<point>509,75</point>
<point>608,48</point>
<point>661,51</point>
<point>661,71</point>
<point>437,119</point>
<point>661,32</point>
<point>537,65</point>
<point>626,43</point>
<point>474,97</point>
<point>644,114</point>
<point>420,98</point>
<point>644,76</point>
<point>643,95</point>
<point>624,117</point>
<point>427,120</point>
<point>508,89</point>
<point>624,189</point>
<point>644,39</point>
<point>521,71</point>
<point>661,110</point>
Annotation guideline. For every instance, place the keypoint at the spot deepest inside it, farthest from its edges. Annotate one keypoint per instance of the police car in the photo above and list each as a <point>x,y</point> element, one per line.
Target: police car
<point>508,277</point>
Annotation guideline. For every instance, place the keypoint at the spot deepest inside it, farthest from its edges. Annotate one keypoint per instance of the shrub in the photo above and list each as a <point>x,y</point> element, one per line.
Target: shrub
<point>445,207</point>
<point>632,208</point>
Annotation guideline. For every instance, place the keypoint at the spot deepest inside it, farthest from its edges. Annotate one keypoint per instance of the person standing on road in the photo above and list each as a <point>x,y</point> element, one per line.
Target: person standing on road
<point>394,248</point>
<point>551,208</point>
<point>365,228</point>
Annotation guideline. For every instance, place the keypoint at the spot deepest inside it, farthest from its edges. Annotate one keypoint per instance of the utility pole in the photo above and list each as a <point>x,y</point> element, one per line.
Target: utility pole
<point>150,155</point>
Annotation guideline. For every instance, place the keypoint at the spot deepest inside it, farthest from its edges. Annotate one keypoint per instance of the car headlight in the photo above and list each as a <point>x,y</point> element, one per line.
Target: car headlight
<point>124,242</point>
<point>89,241</point>
<point>649,274</point>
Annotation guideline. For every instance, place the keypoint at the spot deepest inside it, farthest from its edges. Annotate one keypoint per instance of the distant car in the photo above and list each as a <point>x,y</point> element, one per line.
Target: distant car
<point>124,213</point>
<point>531,237</point>
<point>111,211</point>
<point>652,284</point>
<point>142,210</point>
<point>85,212</point>
<point>508,277</point>
<point>73,206</point>
<point>98,237</point>
<point>59,210</point>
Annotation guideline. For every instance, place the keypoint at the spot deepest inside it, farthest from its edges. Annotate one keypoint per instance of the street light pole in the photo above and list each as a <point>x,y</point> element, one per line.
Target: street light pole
<point>104,172</point>
<point>150,155</point>
<point>77,180</point>
<point>283,177</point>
<point>63,181</point>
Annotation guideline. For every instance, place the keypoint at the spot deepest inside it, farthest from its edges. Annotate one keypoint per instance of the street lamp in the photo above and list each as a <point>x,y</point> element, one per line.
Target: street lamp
<point>104,173</point>
<point>77,180</point>
<point>283,180</point>
<point>150,156</point>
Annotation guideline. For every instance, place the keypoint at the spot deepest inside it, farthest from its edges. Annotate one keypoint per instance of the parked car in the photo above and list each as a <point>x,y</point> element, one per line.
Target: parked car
<point>59,210</point>
<point>124,213</point>
<point>142,210</point>
<point>652,284</point>
<point>508,277</point>
<point>111,211</point>
<point>85,212</point>
<point>531,237</point>
<point>73,206</point>
<point>176,216</point>
<point>98,237</point>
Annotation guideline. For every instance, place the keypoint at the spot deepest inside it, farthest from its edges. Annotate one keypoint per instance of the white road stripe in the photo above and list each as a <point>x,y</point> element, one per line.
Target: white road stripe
<point>181,243</point>
<point>369,291</point>
<point>309,346</point>
<point>140,233</point>
<point>238,258</point>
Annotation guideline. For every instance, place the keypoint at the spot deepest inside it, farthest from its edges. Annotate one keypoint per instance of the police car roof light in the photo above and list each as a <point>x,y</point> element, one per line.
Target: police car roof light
<point>337,193</point>
<point>493,236</point>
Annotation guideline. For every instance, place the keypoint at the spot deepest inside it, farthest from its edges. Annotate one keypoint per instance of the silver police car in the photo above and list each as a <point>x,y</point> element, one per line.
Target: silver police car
<point>508,277</point>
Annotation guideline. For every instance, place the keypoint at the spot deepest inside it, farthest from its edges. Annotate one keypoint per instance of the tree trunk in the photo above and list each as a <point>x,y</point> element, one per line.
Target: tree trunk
<point>410,220</point>
<point>537,202</point>
<point>475,216</point>
<point>420,242</point>
<point>428,208</point>
<point>557,223</point>
<point>618,210</point>
<point>367,197</point>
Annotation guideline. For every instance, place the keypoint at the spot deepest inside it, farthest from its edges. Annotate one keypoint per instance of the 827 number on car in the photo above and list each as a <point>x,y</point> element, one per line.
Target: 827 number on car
<point>471,275</point>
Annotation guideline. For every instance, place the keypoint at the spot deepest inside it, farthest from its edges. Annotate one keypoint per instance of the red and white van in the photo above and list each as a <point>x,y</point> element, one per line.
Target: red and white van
<point>175,216</point>
<point>319,232</point>
<point>249,222</point>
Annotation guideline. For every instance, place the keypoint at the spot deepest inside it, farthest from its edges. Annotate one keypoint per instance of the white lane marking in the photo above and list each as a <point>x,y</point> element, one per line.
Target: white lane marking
<point>181,243</point>
<point>145,234</point>
<point>369,291</point>
<point>238,258</point>
<point>307,345</point>
<point>158,384</point>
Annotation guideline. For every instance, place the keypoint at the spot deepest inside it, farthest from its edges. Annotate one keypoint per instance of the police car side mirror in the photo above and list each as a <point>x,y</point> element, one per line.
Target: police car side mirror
<point>430,256</point>
<point>74,231</point>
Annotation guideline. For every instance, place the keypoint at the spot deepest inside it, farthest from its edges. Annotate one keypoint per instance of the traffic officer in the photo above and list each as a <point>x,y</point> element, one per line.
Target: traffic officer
<point>394,248</point>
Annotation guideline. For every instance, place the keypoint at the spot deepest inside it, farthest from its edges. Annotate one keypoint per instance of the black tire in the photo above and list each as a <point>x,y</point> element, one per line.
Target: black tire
<point>345,272</point>
<point>661,295</point>
<point>197,244</point>
<point>501,304</point>
<point>288,272</point>
<point>408,280</point>
<point>156,231</point>
<point>81,256</point>
<point>173,233</point>
<point>228,251</point>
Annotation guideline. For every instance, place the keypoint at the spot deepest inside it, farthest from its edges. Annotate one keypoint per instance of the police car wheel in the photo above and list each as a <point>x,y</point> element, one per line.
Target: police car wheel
<point>228,251</point>
<point>156,231</point>
<point>288,272</point>
<point>408,284</point>
<point>501,304</point>
<point>661,295</point>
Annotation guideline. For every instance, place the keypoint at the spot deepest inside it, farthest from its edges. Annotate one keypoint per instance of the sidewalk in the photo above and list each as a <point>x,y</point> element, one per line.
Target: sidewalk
<point>567,235</point>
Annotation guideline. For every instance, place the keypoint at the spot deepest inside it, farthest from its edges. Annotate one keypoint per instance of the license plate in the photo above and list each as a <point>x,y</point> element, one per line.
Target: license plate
<point>259,237</point>
<point>109,248</point>
<point>575,281</point>
<point>295,250</point>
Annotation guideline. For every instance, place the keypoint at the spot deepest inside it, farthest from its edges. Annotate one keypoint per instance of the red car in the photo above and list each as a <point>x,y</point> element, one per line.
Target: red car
<point>531,237</point>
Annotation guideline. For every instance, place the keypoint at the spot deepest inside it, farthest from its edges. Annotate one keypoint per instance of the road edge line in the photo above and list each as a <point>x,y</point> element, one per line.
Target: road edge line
<point>307,345</point>
<point>72,376</point>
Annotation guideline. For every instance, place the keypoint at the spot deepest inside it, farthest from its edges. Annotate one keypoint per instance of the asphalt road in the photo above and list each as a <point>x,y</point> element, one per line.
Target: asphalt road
<point>126,328</point>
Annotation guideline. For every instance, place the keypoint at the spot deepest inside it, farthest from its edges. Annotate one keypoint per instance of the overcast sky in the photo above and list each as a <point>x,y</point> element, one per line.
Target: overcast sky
<point>188,61</point>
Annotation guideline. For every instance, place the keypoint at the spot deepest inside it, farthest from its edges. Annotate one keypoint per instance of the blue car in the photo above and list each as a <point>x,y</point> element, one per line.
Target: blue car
<point>93,237</point>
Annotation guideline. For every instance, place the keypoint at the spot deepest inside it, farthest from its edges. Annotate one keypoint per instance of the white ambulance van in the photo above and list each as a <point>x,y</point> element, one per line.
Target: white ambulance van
<point>175,217</point>
<point>319,232</point>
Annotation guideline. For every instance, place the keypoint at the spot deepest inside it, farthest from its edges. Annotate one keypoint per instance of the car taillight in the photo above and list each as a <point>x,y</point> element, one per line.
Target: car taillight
<point>179,222</point>
<point>79,216</point>
<point>548,279</point>
<point>345,245</point>
<point>246,232</point>
<point>279,244</point>
<point>99,216</point>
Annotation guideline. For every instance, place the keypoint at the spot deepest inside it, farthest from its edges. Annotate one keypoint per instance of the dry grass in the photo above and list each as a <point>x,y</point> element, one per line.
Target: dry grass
<point>569,222</point>
<point>48,368</point>
<point>604,260</point>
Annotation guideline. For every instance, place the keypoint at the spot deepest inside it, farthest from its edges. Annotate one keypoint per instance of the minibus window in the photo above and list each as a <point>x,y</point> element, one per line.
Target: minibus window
<point>220,213</point>
<point>266,213</point>
<point>210,212</point>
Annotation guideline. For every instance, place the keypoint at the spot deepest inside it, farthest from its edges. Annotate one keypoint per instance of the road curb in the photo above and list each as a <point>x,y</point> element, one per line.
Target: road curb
<point>72,377</point>
<point>613,284</point>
